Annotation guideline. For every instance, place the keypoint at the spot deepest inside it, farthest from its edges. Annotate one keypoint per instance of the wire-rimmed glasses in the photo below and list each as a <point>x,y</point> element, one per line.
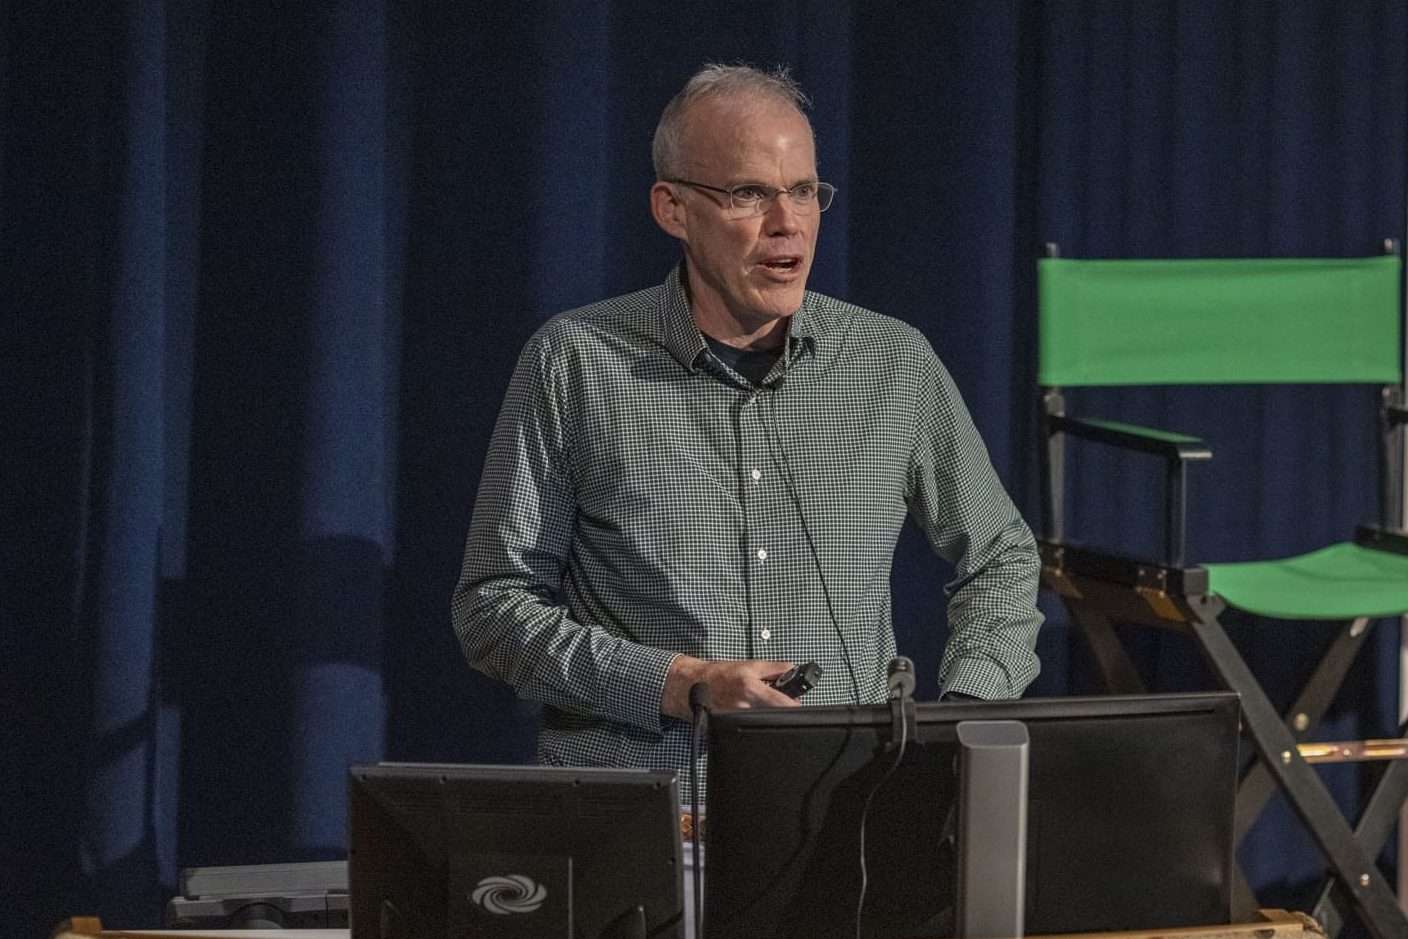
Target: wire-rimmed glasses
<point>749,199</point>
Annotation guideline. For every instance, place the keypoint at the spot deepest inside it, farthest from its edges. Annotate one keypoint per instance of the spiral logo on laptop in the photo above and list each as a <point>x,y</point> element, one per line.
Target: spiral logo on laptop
<point>510,893</point>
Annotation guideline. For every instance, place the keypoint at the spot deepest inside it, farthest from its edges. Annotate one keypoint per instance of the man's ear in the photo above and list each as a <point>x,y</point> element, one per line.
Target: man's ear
<point>668,211</point>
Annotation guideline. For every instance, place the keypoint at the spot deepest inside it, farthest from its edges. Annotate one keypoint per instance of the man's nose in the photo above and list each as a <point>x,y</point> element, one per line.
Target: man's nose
<point>782,217</point>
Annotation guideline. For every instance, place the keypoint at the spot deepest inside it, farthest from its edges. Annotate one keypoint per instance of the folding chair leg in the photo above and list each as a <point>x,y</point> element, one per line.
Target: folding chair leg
<point>1366,887</point>
<point>1116,667</point>
<point>1304,716</point>
<point>1375,826</point>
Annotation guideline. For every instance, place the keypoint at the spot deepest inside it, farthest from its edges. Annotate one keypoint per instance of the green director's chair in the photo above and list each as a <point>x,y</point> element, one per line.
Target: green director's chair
<point>1183,322</point>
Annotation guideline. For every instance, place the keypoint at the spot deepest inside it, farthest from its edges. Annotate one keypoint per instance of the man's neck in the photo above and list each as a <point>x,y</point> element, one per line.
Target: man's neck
<point>733,329</point>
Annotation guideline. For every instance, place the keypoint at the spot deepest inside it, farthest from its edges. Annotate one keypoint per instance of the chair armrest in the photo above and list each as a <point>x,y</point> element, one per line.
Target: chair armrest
<point>1397,414</point>
<point>1133,437</point>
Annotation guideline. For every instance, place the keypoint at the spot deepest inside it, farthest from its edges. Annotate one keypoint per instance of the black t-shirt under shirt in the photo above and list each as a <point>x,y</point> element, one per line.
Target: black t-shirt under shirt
<point>752,364</point>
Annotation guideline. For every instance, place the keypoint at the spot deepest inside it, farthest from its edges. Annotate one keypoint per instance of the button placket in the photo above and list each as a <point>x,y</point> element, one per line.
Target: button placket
<point>760,515</point>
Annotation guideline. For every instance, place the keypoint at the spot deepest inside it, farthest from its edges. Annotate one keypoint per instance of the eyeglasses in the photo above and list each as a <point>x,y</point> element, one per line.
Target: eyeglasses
<point>749,199</point>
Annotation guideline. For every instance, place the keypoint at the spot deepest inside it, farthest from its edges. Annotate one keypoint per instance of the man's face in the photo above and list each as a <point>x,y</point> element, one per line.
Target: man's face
<point>752,271</point>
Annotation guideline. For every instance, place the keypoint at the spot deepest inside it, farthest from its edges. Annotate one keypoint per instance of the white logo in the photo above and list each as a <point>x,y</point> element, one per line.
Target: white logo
<point>512,893</point>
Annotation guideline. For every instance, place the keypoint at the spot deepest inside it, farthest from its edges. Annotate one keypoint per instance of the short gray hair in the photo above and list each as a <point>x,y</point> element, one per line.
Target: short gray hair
<point>718,81</point>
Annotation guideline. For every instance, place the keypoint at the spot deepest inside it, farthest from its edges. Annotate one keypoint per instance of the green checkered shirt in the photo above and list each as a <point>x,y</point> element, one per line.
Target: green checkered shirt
<point>641,500</point>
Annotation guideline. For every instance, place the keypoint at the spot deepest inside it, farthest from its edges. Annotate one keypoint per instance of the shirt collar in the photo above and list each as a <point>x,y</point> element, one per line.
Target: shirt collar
<point>684,341</point>
<point>677,329</point>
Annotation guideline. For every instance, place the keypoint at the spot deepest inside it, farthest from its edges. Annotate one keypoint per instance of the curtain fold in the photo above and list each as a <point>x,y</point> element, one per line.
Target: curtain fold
<point>346,484</point>
<point>120,827</point>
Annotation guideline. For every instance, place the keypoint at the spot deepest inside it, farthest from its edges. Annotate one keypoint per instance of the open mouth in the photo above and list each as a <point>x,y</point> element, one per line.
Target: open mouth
<point>783,265</point>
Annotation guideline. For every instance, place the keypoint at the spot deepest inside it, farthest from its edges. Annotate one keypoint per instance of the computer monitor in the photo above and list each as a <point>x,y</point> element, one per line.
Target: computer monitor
<point>1129,826</point>
<point>509,851</point>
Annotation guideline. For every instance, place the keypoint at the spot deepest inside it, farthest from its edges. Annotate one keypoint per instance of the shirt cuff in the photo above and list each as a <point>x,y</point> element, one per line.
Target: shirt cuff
<point>977,678</point>
<point>635,685</point>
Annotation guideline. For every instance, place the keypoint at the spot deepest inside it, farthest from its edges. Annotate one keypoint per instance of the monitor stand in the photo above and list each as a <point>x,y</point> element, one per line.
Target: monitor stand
<point>992,829</point>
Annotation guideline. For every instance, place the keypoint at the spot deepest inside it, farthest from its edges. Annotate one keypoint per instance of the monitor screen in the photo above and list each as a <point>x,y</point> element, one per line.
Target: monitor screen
<point>1129,825</point>
<point>507,851</point>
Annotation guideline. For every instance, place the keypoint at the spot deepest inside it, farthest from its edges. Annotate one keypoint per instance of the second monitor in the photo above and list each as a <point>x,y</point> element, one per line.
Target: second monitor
<point>1130,817</point>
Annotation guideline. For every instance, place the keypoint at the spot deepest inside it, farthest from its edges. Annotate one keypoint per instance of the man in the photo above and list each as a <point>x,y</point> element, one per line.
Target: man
<point>704,482</point>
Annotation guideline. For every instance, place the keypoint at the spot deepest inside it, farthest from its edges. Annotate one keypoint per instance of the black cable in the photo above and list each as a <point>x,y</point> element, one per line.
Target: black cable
<point>865,811</point>
<point>775,439</point>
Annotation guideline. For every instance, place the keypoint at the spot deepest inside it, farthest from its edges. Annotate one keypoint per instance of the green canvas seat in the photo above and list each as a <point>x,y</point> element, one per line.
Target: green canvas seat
<point>1343,581</point>
<point>1113,323</point>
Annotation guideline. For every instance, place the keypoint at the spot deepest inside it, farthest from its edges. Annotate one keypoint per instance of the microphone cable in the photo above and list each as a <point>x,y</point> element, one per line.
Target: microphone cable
<point>775,441</point>
<point>899,692</point>
<point>864,812</point>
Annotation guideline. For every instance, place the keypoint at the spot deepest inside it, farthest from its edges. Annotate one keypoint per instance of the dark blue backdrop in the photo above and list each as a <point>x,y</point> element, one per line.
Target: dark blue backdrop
<point>266,266</point>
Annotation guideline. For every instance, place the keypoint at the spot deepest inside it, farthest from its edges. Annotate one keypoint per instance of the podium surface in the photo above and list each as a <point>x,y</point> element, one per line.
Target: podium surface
<point>1270,924</point>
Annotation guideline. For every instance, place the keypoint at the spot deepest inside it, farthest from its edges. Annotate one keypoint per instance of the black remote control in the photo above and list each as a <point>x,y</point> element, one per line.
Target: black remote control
<point>798,680</point>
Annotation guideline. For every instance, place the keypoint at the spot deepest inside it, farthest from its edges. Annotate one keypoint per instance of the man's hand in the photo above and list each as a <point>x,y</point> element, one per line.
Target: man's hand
<point>732,684</point>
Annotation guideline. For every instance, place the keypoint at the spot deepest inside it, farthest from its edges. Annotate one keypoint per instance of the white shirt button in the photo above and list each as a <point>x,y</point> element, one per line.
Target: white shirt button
<point>762,554</point>
<point>766,634</point>
<point>757,474</point>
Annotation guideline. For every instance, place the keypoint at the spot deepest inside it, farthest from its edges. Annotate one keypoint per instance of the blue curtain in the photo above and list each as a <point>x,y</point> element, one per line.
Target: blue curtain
<point>266,267</point>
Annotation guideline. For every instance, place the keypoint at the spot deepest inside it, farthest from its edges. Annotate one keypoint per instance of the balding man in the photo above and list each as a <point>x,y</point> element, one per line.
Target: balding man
<point>704,481</point>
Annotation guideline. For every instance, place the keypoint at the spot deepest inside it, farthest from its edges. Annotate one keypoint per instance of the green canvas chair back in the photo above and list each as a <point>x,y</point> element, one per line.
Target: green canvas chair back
<point>1219,321</point>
